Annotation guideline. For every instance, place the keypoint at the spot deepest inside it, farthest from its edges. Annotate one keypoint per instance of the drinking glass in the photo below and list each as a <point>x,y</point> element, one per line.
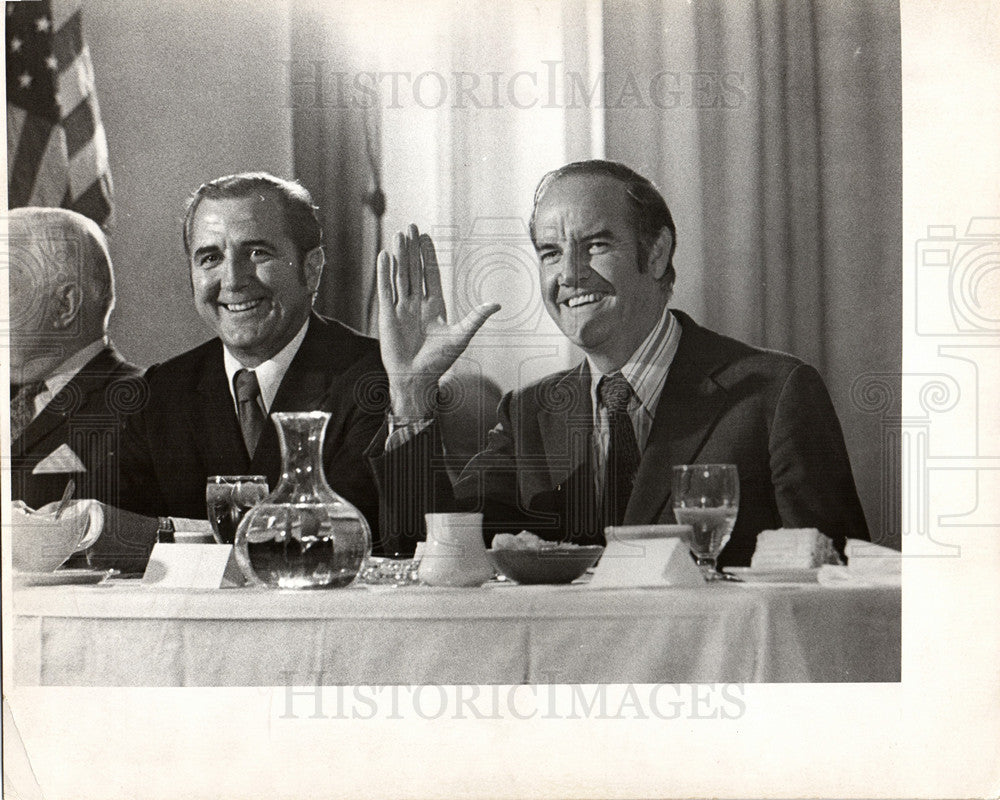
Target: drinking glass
<point>707,497</point>
<point>228,498</point>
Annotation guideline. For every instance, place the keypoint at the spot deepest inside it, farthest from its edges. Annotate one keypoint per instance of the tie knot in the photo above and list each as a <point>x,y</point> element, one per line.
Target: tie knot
<point>247,388</point>
<point>615,393</point>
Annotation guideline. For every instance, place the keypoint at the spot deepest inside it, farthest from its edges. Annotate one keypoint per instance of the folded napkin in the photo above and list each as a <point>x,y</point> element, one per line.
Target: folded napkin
<point>867,565</point>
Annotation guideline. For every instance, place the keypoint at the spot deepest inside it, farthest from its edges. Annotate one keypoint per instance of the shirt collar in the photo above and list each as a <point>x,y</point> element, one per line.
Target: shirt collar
<point>646,369</point>
<point>68,369</point>
<point>270,373</point>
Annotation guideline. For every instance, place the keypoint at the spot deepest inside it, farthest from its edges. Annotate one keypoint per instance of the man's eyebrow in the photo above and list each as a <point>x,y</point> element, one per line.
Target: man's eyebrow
<point>603,233</point>
<point>205,250</point>
<point>258,243</point>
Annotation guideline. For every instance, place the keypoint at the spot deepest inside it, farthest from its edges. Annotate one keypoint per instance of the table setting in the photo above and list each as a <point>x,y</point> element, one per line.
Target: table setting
<point>288,576</point>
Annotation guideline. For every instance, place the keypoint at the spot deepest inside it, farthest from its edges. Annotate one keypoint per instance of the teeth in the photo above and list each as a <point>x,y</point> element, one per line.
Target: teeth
<point>580,299</point>
<point>242,306</point>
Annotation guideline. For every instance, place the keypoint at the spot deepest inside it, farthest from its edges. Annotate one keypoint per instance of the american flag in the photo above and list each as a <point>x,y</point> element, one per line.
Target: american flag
<point>57,154</point>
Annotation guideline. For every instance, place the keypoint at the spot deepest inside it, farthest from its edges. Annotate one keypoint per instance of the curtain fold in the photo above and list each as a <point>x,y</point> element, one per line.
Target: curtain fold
<point>788,193</point>
<point>331,154</point>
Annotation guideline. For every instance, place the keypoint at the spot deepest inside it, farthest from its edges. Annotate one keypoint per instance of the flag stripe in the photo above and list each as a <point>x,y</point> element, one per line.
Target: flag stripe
<point>27,159</point>
<point>84,167</point>
<point>16,118</point>
<point>94,202</point>
<point>75,83</point>
<point>67,43</point>
<point>50,183</point>
<point>79,126</point>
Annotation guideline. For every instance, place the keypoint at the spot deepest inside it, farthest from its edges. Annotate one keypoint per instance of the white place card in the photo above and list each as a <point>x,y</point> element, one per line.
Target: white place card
<point>645,560</point>
<point>192,566</point>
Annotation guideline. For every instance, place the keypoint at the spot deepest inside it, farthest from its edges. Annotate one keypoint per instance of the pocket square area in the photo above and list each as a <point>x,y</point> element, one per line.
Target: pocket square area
<point>60,460</point>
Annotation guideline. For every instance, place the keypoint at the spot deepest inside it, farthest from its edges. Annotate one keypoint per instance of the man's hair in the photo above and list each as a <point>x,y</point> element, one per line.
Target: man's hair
<point>301,214</point>
<point>95,272</point>
<point>650,213</point>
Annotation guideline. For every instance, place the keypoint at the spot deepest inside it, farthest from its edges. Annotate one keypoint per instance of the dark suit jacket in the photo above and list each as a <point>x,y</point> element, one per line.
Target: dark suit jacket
<point>723,402</point>
<point>189,428</point>
<point>87,417</point>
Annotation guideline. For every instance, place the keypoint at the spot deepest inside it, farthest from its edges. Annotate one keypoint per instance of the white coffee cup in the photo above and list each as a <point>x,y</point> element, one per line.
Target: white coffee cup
<point>454,554</point>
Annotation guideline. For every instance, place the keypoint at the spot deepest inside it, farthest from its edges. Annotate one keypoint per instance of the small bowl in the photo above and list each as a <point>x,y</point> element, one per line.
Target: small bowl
<point>42,543</point>
<point>548,565</point>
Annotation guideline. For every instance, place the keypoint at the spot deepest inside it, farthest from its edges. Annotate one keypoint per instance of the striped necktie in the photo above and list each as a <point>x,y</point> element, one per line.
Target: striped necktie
<point>22,406</point>
<point>623,449</point>
<point>251,416</point>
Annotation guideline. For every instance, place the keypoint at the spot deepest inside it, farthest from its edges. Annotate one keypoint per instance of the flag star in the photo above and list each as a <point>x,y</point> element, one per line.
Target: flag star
<point>51,63</point>
<point>43,24</point>
<point>15,45</point>
<point>24,79</point>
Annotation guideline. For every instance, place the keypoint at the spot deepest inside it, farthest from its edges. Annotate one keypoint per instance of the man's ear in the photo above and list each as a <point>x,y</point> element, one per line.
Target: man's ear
<point>659,254</point>
<point>67,299</point>
<point>312,266</point>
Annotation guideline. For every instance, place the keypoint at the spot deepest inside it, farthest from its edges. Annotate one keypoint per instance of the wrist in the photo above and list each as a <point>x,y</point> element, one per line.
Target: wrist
<point>413,403</point>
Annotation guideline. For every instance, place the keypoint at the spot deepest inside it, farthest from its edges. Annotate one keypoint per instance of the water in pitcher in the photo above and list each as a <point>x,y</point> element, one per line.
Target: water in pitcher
<point>303,546</point>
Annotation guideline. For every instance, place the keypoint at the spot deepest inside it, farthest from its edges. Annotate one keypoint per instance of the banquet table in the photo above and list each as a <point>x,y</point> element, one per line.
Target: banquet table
<point>124,633</point>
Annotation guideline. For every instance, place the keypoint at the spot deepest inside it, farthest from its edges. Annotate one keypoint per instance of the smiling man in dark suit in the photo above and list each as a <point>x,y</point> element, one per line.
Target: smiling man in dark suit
<point>594,445</point>
<point>70,389</point>
<point>255,254</point>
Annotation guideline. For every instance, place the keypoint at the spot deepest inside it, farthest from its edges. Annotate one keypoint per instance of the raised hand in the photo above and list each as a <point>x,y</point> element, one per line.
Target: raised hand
<point>418,345</point>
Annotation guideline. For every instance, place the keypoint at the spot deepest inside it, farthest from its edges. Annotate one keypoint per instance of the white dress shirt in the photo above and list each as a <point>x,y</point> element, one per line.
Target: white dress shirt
<point>270,373</point>
<point>646,372</point>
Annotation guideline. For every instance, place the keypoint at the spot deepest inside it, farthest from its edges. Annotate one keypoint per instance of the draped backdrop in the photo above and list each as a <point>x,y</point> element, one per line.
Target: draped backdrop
<point>773,130</point>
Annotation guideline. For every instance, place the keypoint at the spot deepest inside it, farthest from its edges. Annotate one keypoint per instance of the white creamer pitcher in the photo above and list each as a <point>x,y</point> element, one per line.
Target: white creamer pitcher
<point>454,554</point>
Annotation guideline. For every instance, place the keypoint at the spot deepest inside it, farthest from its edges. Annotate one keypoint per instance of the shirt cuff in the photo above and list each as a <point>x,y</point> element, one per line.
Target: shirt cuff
<point>403,430</point>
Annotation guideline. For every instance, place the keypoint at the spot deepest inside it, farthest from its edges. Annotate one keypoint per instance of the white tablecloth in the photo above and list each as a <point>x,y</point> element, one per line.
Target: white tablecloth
<point>125,634</point>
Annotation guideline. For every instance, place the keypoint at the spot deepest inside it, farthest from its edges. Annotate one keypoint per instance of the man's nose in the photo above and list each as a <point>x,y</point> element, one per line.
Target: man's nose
<point>575,266</point>
<point>235,271</point>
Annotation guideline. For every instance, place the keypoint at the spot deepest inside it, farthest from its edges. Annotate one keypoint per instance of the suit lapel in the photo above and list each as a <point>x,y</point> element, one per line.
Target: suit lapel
<point>689,405</point>
<point>216,429</point>
<point>565,420</point>
<point>303,388</point>
<point>42,425</point>
<point>93,377</point>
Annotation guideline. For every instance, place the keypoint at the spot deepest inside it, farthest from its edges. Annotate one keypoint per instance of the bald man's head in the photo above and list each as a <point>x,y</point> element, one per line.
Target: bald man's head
<point>61,288</point>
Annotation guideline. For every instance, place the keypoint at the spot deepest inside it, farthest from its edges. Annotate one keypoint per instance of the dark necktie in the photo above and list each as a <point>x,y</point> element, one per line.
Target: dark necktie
<point>22,406</point>
<point>251,416</point>
<point>623,449</point>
